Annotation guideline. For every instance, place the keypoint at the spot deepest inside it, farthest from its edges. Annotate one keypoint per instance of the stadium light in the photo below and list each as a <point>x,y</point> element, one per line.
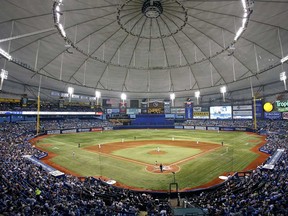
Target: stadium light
<point>3,76</point>
<point>97,95</point>
<point>172,98</point>
<point>284,59</point>
<point>123,97</point>
<point>283,78</point>
<point>197,95</point>
<point>5,54</point>
<point>223,91</point>
<point>70,92</point>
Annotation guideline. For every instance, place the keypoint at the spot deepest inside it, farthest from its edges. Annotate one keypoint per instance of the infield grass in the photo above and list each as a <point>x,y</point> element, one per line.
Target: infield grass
<point>234,156</point>
<point>149,153</point>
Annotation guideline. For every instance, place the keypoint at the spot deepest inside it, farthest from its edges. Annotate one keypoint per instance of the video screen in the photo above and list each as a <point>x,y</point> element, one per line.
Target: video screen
<point>221,112</point>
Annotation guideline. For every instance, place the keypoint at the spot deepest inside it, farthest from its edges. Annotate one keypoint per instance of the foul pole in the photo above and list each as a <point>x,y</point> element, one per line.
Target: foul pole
<point>38,107</point>
<point>254,113</point>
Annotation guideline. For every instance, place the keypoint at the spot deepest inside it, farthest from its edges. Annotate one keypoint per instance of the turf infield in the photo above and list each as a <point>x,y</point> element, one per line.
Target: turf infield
<point>202,166</point>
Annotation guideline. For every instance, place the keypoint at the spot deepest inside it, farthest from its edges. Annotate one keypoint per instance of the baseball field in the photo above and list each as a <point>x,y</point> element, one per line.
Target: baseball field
<point>132,157</point>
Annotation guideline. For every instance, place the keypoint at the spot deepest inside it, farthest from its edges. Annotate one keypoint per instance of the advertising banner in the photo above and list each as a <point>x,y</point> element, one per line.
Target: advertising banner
<point>189,110</point>
<point>212,128</point>
<point>170,116</point>
<point>144,107</point>
<point>133,111</point>
<point>189,127</point>
<point>220,112</point>
<point>84,130</point>
<point>178,110</point>
<point>69,131</point>
<point>108,128</point>
<point>259,109</point>
<point>9,100</point>
<point>200,128</point>
<point>242,107</point>
<point>227,129</point>
<point>53,132</point>
<point>240,129</point>
<point>200,115</point>
<point>167,107</point>
<point>122,107</point>
<point>96,129</point>
<point>243,114</point>
<point>281,106</point>
<point>285,115</point>
<point>272,115</point>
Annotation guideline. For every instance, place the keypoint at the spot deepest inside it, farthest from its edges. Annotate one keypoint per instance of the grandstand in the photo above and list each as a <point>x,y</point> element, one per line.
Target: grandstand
<point>196,81</point>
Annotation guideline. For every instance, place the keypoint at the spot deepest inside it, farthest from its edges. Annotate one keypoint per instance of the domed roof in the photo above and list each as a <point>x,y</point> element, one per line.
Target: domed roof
<point>146,48</point>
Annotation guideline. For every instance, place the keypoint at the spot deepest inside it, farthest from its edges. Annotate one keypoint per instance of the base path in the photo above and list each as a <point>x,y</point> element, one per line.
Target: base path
<point>109,148</point>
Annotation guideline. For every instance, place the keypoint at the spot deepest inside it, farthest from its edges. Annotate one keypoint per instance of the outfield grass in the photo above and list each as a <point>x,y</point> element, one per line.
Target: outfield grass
<point>234,156</point>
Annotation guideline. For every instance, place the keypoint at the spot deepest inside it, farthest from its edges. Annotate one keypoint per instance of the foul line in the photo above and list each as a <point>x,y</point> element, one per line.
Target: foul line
<point>147,164</point>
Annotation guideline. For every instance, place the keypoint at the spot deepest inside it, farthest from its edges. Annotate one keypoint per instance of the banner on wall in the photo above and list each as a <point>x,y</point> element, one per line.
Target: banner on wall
<point>272,115</point>
<point>259,108</point>
<point>242,114</point>
<point>133,111</point>
<point>167,107</point>
<point>9,100</point>
<point>122,107</point>
<point>200,115</point>
<point>285,115</point>
<point>281,106</point>
<point>144,107</point>
<point>178,110</point>
<point>189,110</point>
<point>242,107</point>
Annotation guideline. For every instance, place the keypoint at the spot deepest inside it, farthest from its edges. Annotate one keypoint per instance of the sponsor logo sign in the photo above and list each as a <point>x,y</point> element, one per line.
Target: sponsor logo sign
<point>53,132</point>
<point>69,131</point>
<point>83,129</point>
<point>227,129</point>
<point>200,128</point>
<point>240,129</point>
<point>282,106</point>
<point>272,115</point>
<point>189,127</point>
<point>197,109</point>
<point>108,128</point>
<point>243,107</point>
<point>285,115</point>
<point>212,128</point>
<point>201,115</point>
<point>96,129</point>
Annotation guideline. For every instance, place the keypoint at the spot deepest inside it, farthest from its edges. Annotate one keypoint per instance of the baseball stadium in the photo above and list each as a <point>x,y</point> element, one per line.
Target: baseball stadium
<point>143,107</point>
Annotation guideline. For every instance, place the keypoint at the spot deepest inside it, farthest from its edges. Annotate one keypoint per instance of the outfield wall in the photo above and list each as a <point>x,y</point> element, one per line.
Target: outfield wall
<point>217,128</point>
<point>123,127</point>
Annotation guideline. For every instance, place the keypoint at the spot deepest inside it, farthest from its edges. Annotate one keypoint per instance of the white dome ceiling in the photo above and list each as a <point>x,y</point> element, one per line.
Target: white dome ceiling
<point>144,48</point>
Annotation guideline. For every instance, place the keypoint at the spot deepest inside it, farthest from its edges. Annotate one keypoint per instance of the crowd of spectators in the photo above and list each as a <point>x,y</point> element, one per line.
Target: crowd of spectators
<point>27,189</point>
<point>262,192</point>
<point>73,123</point>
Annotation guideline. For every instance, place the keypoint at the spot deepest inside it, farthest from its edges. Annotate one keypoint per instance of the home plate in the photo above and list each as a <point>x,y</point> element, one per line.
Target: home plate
<point>55,148</point>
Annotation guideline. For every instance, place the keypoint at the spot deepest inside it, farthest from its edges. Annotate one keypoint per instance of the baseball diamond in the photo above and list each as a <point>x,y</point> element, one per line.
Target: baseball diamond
<point>197,157</point>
